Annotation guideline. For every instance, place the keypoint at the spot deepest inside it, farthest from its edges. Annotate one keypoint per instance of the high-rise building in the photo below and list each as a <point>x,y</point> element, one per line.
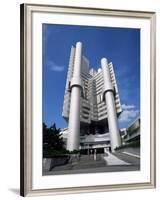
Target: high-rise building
<point>91,104</point>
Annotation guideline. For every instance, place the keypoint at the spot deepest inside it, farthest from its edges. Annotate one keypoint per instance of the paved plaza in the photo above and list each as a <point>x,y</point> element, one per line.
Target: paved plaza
<point>108,162</point>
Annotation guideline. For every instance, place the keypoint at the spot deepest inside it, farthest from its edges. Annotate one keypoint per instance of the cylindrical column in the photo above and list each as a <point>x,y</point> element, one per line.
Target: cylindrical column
<point>74,120</point>
<point>74,115</point>
<point>111,108</point>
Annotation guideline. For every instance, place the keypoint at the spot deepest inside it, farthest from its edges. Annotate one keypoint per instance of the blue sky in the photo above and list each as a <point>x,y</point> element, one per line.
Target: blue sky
<point>119,45</point>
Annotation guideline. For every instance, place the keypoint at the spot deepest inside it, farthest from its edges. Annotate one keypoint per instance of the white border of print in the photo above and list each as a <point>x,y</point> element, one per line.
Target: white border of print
<point>60,181</point>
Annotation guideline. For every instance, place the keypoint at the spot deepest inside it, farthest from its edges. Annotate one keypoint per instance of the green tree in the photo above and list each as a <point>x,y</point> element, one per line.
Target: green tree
<point>52,140</point>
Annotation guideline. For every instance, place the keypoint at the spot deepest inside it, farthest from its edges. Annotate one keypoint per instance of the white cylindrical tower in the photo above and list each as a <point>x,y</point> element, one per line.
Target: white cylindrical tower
<point>108,94</point>
<point>74,115</point>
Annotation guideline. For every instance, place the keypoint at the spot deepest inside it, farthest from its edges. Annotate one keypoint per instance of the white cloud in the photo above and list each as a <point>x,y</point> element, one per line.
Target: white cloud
<point>57,68</point>
<point>128,115</point>
<point>54,67</point>
<point>126,107</point>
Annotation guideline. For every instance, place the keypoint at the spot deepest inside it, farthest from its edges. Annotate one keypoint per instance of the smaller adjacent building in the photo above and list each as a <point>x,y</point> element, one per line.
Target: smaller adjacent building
<point>132,133</point>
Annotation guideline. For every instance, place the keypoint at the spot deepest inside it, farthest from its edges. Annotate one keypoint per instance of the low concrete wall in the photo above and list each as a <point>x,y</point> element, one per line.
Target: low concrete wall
<point>50,163</point>
<point>46,164</point>
<point>132,150</point>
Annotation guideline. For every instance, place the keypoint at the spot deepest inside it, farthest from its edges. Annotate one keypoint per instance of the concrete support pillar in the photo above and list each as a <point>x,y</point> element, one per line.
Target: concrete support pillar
<point>74,115</point>
<point>111,108</point>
